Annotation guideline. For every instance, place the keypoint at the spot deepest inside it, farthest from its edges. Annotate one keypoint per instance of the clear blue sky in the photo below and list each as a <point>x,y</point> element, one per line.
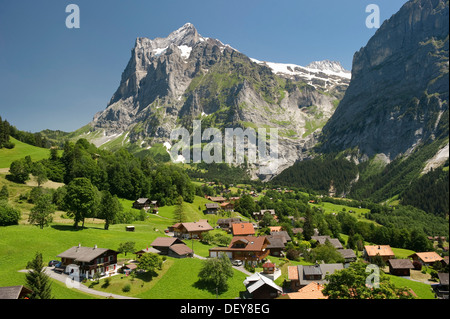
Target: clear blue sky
<point>58,78</point>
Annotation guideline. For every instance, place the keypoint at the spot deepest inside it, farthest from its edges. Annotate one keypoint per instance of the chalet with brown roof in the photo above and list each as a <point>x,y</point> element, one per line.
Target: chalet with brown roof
<point>147,204</point>
<point>426,258</point>
<point>191,230</point>
<point>242,229</point>
<point>348,255</point>
<point>323,239</point>
<point>246,248</point>
<point>86,261</point>
<point>225,223</point>
<point>212,208</point>
<point>172,246</point>
<point>217,199</point>
<point>227,207</point>
<point>400,267</point>
<point>384,251</point>
<point>14,292</point>
<point>259,215</point>
<point>442,289</point>
<point>300,276</point>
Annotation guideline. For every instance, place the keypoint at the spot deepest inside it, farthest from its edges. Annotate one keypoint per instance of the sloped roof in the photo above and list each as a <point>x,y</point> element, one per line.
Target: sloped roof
<point>242,229</point>
<point>165,241</point>
<point>401,263</point>
<point>252,243</point>
<point>275,242</point>
<point>256,281</point>
<point>13,292</point>
<point>197,226</point>
<point>86,254</point>
<point>311,291</point>
<point>347,253</point>
<point>181,249</point>
<point>429,257</point>
<point>382,250</point>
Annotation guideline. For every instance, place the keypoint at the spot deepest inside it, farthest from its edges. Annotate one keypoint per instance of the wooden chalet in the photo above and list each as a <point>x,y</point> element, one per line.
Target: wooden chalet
<point>300,276</point>
<point>212,208</point>
<point>217,199</point>
<point>246,248</point>
<point>427,258</point>
<point>400,267</point>
<point>227,207</point>
<point>259,215</point>
<point>191,230</point>
<point>172,246</point>
<point>333,241</point>
<point>225,223</point>
<point>14,292</point>
<point>242,229</point>
<point>147,204</point>
<point>260,287</point>
<point>86,261</point>
<point>384,251</point>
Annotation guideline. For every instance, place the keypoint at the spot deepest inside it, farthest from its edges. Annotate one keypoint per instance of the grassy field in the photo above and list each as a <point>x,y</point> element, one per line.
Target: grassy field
<point>422,290</point>
<point>358,213</point>
<point>7,156</point>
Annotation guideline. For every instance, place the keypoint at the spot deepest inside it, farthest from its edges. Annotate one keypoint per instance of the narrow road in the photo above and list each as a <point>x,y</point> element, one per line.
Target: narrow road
<point>71,284</point>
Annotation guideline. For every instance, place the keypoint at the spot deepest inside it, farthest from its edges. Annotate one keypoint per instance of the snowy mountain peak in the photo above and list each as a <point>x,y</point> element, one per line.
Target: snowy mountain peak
<point>327,65</point>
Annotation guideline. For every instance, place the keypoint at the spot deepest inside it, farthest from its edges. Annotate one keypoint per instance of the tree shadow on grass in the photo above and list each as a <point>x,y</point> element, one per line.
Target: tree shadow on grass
<point>208,286</point>
<point>72,228</point>
<point>146,276</point>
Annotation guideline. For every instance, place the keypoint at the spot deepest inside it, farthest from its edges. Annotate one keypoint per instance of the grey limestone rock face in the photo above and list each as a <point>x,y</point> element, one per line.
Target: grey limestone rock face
<point>398,96</point>
<point>170,82</point>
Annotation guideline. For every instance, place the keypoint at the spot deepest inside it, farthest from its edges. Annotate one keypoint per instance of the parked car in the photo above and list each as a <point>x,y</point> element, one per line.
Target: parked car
<point>237,262</point>
<point>52,263</point>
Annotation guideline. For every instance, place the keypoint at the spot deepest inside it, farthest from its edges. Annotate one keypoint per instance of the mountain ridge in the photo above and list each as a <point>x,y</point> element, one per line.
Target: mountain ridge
<point>184,77</point>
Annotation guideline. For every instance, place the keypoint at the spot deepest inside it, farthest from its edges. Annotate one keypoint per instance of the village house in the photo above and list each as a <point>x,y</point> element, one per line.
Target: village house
<point>86,261</point>
<point>227,207</point>
<point>276,245</point>
<point>212,208</point>
<point>259,215</point>
<point>400,267</point>
<point>172,246</point>
<point>14,292</point>
<point>442,289</point>
<point>242,229</point>
<point>323,239</point>
<point>249,249</point>
<point>300,276</point>
<point>384,251</point>
<point>147,204</point>
<point>191,230</point>
<point>261,287</point>
<point>427,258</point>
<point>278,241</point>
<point>225,223</point>
<point>348,254</point>
<point>217,199</point>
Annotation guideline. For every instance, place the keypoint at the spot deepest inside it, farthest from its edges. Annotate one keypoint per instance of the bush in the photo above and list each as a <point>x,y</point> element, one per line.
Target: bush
<point>8,214</point>
<point>126,288</point>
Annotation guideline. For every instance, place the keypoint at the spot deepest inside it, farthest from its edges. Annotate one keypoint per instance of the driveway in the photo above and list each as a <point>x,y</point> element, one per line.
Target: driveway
<point>71,284</point>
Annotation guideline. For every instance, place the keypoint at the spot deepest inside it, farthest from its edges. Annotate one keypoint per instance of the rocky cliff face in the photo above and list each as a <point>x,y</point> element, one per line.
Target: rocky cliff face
<point>170,82</point>
<point>398,96</point>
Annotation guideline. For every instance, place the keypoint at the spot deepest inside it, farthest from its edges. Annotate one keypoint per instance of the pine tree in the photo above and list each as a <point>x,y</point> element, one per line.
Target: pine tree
<point>37,280</point>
